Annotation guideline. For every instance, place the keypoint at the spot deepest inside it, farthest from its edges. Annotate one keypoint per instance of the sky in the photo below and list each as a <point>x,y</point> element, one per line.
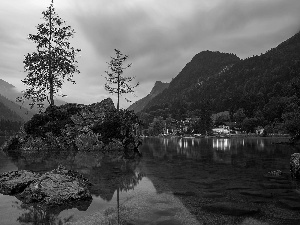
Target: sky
<point>159,36</point>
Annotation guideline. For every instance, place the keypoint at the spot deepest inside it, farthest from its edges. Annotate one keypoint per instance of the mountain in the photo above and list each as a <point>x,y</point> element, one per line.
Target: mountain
<point>8,95</point>
<point>203,67</point>
<point>140,104</point>
<point>256,82</point>
<point>12,111</point>
<point>268,84</point>
<point>7,114</point>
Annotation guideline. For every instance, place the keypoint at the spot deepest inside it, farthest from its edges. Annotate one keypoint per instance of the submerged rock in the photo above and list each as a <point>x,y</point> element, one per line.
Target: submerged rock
<point>57,187</point>
<point>295,166</point>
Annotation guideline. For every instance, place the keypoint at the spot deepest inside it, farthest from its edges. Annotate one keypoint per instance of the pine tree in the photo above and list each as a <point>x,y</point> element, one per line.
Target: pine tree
<point>116,83</point>
<point>52,62</point>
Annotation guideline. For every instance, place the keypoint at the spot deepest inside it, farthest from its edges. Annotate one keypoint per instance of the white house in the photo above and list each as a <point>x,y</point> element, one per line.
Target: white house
<point>221,130</point>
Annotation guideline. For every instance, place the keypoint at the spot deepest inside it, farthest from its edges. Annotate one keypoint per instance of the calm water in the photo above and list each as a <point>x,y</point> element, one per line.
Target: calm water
<point>178,181</point>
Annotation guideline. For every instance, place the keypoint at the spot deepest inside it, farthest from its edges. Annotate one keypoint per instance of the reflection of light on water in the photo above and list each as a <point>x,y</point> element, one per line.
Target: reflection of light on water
<point>180,143</point>
<point>261,144</point>
<point>166,141</point>
<point>221,144</point>
<point>193,142</point>
<point>185,145</point>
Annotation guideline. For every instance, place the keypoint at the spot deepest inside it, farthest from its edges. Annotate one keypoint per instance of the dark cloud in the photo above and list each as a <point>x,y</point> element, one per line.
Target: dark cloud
<point>160,37</point>
<point>160,45</point>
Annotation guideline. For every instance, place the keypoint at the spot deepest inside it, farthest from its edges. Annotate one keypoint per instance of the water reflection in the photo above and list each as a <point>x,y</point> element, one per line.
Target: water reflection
<point>107,177</point>
<point>222,144</point>
<point>34,214</point>
<point>239,152</point>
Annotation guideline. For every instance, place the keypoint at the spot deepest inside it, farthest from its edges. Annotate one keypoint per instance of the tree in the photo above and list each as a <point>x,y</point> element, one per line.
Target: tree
<point>221,119</point>
<point>116,83</point>
<point>52,62</point>
<point>249,124</point>
<point>292,124</point>
<point>204,122</point>
<point>239,116</point>
<point>157,126</point>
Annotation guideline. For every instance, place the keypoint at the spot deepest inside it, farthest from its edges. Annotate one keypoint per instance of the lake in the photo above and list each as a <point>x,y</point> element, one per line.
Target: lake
<point>177,181</point>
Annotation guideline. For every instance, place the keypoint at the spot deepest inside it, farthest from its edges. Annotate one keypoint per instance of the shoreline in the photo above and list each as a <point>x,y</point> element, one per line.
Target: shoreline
<point>229,136</point>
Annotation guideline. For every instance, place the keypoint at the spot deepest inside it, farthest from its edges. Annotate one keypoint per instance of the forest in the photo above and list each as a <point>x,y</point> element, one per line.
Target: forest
<point>257,91</point>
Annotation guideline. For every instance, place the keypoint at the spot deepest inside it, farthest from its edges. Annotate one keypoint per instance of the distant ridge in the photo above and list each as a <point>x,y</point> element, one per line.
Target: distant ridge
<point>17,113</point>
<point>7,114</point>
<point>8,95</point>
<point>157,89</point>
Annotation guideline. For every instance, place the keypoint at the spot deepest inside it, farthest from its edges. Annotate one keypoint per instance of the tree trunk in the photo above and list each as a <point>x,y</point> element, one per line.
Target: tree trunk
<point>118,201</point>
<point>118,105</point>
<point>51,92</point>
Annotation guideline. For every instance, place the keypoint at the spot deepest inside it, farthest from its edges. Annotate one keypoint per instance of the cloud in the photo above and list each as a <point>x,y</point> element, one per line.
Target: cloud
<point>160,37</point>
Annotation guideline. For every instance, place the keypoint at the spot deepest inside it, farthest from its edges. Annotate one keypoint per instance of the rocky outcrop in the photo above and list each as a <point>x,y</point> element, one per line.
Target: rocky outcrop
<point>77,127</point>
<point>295,166</point>
<point>57,187</point>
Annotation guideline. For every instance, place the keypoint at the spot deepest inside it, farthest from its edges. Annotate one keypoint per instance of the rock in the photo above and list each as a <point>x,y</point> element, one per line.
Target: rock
<point>77,127</point>
<point>57,187</point>
<point>230,208</point>
<point>14,182</point>
<point>295,166</point>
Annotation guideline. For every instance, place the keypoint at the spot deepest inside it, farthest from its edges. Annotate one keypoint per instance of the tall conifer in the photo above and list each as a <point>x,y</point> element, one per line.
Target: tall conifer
<point>52,62</point>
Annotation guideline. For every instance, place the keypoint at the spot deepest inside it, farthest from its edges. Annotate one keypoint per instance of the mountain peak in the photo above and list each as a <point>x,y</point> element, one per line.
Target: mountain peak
<point>157,89</point>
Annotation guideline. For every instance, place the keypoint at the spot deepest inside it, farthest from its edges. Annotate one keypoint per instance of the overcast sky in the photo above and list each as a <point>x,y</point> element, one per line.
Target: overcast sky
<point>159,36</point>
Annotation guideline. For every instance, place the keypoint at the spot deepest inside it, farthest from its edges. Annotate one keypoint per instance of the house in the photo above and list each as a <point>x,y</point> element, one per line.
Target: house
<point>221,130</point>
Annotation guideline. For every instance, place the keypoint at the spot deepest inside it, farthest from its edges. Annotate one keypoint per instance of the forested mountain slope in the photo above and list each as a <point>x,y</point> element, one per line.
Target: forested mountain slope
<point>180,93</point>
<point>17,113</point>
<point>140,104</point>
<point>265,86</point>
<point>7,114</point>
<point>10,92</point>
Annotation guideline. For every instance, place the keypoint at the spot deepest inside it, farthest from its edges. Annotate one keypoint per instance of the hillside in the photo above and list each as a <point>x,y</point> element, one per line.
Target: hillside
<point>265,87</point>
<point>203,67</point>
<point>7,114</point>
<point>254,83</point>
<point>10,92</point>
<point>140,104</point>
<point>17,113</point>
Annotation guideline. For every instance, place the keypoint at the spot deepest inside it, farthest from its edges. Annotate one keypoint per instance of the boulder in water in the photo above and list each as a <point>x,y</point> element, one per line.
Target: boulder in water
<point>57,187</point>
